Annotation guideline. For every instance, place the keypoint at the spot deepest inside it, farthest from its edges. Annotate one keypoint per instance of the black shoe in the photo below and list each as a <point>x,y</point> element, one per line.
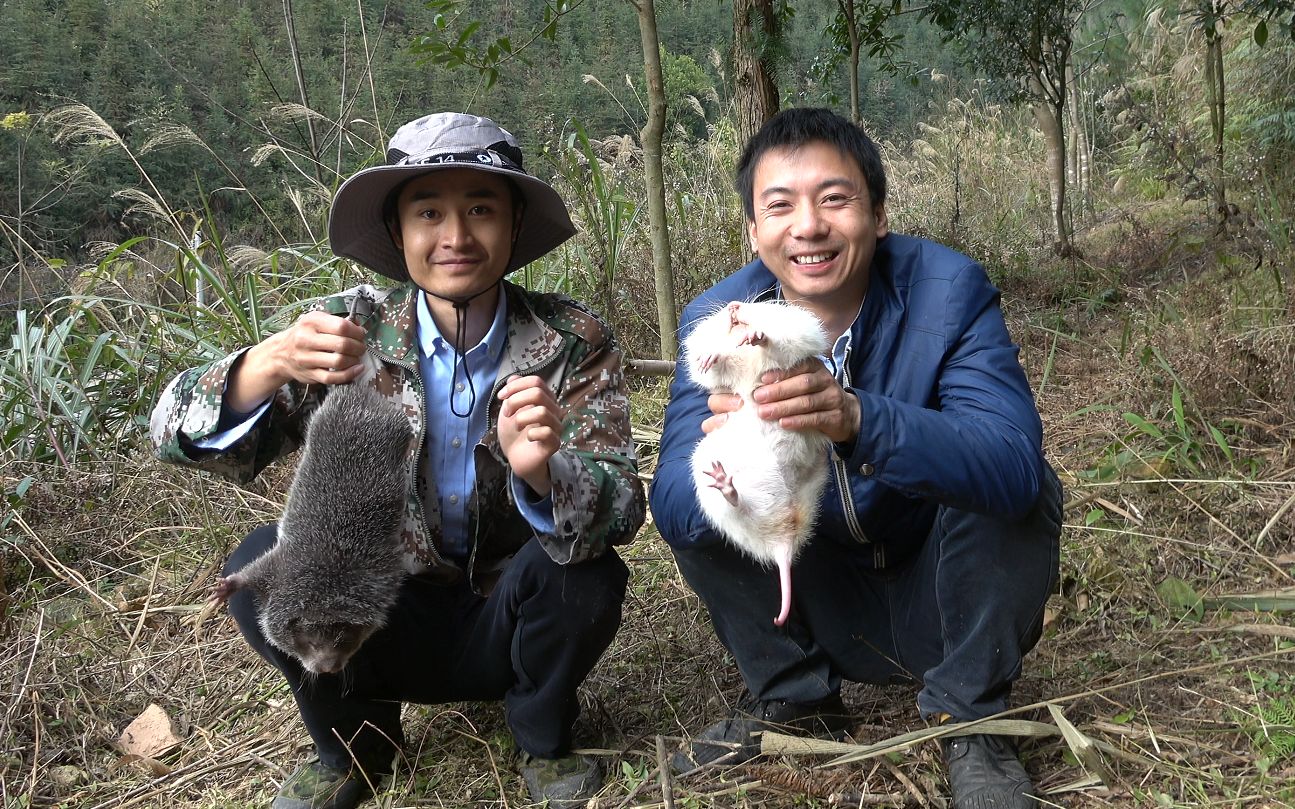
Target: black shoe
<point>985,773</point>
<point>317,786</point>
<point>569,781</point>
<point>734,740</point>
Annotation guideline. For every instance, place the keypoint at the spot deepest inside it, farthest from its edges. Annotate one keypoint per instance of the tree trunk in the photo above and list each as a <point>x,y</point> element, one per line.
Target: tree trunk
<point>654,177</point>
<point>755,93</point>
<point>852,28</point>
<point>1049,113</point>
<point>1081,150</point>
<point>1214,88</point>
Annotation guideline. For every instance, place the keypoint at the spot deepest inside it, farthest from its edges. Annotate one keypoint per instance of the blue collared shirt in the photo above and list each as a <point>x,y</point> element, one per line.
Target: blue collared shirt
<point>449,439</point>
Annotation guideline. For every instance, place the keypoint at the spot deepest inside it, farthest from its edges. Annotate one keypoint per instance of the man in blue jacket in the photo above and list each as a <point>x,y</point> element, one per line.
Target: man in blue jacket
<point>937,537</point>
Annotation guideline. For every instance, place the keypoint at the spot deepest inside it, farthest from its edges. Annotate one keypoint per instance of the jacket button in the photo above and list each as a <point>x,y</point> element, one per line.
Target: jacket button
<point>866,469</point>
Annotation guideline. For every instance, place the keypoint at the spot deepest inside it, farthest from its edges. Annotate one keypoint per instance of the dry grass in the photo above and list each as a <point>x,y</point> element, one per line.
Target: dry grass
<point>106,572</point>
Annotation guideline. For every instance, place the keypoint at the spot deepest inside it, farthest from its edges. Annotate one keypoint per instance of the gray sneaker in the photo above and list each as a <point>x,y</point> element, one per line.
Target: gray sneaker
<point>317,786</point>
<point>985,773</point>
<point>566,783</point>
<point>735,740</point>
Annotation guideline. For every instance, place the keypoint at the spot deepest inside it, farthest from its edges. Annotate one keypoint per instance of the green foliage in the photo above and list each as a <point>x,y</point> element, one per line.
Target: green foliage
<point>443,45</point>
<point>1011,42</point>
<point>1181,441</point>
<point>1271,727</point>
<point>605,210</point>
<point>57,384</point>
<point>1181,598</point>
<point>690,95</point>
<point>78,378</point>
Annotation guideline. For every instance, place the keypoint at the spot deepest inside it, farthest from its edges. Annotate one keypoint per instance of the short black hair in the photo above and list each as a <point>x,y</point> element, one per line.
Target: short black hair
<point>800,126</point>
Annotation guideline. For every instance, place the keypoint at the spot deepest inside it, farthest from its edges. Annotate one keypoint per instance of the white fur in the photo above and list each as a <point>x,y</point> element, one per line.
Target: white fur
<point>778,475</point>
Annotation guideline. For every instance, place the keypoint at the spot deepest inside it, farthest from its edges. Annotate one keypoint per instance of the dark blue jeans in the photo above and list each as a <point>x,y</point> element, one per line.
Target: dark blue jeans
<point>530,643</point>
<point>957,617</point>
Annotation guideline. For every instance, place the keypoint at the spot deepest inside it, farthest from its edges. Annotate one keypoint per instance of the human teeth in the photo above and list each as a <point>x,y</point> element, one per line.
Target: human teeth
<point>814,259</point>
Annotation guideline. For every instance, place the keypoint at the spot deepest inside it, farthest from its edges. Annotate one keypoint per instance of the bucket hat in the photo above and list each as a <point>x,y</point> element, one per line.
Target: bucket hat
<point>357,228</point>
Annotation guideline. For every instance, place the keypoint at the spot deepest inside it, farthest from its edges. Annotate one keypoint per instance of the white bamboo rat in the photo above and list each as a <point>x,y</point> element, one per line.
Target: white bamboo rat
<point>758,483</point>
<point>333,576</point>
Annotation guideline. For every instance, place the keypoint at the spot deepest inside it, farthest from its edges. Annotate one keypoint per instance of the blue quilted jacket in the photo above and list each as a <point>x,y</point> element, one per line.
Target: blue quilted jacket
<point>948,417</point>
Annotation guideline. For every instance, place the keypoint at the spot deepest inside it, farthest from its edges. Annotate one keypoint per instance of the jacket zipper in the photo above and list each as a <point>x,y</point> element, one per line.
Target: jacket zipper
<point>492,419</point>
<point>842,479</point>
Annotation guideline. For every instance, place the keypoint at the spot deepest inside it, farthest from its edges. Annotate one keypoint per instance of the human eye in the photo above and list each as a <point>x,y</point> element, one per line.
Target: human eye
<point>480,210</point>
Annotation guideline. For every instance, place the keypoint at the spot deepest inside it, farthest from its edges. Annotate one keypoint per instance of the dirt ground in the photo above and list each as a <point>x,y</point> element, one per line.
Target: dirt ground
<point>1188,697</point>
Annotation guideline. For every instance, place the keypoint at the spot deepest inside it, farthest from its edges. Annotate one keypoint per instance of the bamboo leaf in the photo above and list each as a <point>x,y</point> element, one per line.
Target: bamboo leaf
<point>1082,747</point>
<point>771,742</point>
<point>1263,601</point>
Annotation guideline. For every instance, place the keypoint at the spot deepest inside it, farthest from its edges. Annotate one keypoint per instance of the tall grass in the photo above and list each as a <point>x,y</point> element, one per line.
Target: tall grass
<point>974,179</point>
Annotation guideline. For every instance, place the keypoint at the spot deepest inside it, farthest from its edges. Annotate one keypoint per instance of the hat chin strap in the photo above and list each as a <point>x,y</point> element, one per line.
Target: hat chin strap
<point>460,305</point>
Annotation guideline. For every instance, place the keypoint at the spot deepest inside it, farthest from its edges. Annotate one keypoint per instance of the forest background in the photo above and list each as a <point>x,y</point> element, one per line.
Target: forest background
<point>1123,168</point>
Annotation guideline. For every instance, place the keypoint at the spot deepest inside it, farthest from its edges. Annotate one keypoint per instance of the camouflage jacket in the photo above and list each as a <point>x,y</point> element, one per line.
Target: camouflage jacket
<point>597,496</point>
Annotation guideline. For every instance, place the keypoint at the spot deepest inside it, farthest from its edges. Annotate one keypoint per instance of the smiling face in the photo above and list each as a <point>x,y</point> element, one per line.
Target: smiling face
<point>816,229</point>
<point>456,230</point>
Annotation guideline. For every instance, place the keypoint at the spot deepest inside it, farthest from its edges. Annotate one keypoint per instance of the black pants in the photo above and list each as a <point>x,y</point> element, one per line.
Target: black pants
<point>530,643</point>
<point>957,617</point>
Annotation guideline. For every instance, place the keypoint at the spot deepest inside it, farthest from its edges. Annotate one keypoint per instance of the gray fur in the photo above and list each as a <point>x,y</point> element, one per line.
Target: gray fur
<point>331,580</point>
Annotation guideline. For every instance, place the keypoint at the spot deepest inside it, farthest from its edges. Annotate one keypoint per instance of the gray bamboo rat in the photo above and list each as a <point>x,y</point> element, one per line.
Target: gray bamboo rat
<point>758,483</point>
<point>332,578</point>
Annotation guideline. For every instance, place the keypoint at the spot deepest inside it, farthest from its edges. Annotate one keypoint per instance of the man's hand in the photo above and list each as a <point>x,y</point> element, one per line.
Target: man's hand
<point>805,397</point>
<point>530,430</point>
<point>319,348</point>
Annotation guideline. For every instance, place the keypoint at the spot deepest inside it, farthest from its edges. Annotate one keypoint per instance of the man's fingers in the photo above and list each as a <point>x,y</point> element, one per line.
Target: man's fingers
<point>714,422</point>
<point>541,433</point>
<point>790,387</point>
<point>518,384</point>
<point>526,398</point>
<point>723,402</point>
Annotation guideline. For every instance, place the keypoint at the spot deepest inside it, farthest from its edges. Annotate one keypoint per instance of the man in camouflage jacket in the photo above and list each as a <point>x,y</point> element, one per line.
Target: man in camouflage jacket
<point>487,613</point>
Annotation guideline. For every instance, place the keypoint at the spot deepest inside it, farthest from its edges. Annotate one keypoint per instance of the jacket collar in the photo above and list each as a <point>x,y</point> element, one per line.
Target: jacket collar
<point>531,343</point>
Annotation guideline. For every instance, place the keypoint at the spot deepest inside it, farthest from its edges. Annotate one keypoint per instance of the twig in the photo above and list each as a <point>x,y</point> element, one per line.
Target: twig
<point>35,753</point>
<point>172,783</point>
<point>1277,515</point>
<point>906,781</point>
<point>26,677</point>
<point>58,568</point>
<point>639,787</point>
<point>490,753</point>
<point>663,767</point>
<point>861,799</point>
<point>649,367</point>
<point>716,794</point>
<point>1248,545</point>
<point>143,612</point>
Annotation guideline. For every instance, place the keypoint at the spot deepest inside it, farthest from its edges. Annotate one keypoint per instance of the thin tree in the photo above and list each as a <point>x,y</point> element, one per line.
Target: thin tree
<point>1209,17</point>
<point>654,178</point>
<point>313,145</point>
<point>862,24</point>
<point>1026,46</point>
<point>453,50</point>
